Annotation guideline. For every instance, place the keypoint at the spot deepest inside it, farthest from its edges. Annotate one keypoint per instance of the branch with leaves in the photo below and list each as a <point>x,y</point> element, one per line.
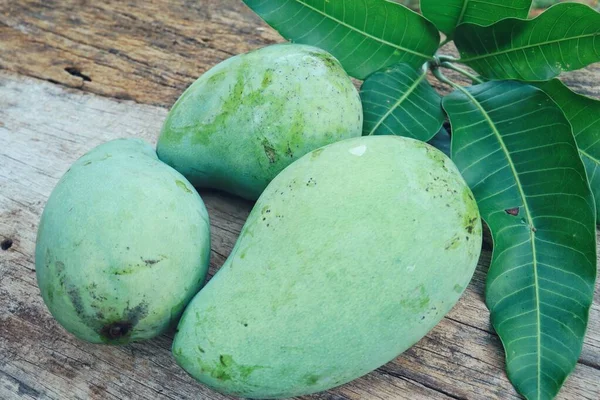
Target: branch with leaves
<point>527,145</point>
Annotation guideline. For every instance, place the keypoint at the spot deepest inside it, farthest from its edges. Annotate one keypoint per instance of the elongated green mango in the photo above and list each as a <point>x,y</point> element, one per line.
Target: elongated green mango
<point>252,115</point>
<point>350,256</point>
<point>123,245</point>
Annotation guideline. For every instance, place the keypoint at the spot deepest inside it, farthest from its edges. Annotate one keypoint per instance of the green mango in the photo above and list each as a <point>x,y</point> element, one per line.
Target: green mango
<point>123,245</point>
<point>249,117</point>
<point>350,256</point>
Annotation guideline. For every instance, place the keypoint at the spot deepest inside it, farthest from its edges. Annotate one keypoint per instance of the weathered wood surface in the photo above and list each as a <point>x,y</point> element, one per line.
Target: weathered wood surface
<point>148,52</point>
<point>44,129</point>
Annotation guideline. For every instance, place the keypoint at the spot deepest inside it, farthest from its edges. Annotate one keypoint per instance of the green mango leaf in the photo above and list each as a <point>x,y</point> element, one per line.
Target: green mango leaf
<point>442,141</point>
<point>563,38</point>
<point>364,35</point>
<point>584,115</point>
<point>448,14</point>
<point>516,151</point>
<point>400,101</point>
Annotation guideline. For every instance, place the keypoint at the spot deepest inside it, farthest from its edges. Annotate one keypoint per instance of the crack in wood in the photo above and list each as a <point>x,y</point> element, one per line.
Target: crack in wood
<point>428,386</point>
<point>23,388</point>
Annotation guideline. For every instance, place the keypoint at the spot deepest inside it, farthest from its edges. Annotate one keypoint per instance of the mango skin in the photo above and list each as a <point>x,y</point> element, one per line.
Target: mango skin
<point>249,117</point>
<point>350,256</point>
<point>123,245</point>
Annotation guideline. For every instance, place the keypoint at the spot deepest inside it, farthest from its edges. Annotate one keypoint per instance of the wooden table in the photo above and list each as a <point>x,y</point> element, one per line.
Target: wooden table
<point>76,73</point>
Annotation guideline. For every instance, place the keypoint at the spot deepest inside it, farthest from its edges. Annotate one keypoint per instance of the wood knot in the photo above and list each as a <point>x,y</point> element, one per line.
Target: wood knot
<point>6,244</point>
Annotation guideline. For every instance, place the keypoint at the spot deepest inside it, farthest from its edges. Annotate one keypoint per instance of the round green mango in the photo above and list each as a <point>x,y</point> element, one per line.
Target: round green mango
<point>249,117</point>
<point>350,256</point>
<point>122,246</point>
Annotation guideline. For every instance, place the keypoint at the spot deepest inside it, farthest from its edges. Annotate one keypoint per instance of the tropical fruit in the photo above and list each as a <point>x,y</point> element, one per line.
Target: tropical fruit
<point>252,115</point>
<point>122,246</point>
<point>350,256</point>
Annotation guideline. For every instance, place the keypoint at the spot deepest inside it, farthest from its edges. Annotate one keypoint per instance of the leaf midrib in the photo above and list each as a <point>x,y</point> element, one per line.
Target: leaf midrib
<point>380,40</point>
<point>531,231</point>
<point>529,46</point>
<point>462,13</point>
<point>410,90</point>
<point>594,159</point>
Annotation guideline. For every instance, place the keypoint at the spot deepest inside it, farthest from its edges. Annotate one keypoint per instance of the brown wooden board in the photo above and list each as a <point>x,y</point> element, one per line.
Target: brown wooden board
<point>139,56</point>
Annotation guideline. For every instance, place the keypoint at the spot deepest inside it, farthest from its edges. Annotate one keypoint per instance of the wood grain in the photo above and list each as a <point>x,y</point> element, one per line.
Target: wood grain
<point>44,128</point>
<point>149,52</point>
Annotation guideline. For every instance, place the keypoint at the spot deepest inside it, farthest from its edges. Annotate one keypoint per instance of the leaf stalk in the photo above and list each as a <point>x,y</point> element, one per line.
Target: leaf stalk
<point>435,70</point>
<point>449,65</point>
<point>445,58</point>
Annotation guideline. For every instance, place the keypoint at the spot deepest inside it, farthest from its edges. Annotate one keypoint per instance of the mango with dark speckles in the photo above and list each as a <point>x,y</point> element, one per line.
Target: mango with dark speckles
<point>122,246</point>
<point>350,256</point>
<point>249,117</point>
